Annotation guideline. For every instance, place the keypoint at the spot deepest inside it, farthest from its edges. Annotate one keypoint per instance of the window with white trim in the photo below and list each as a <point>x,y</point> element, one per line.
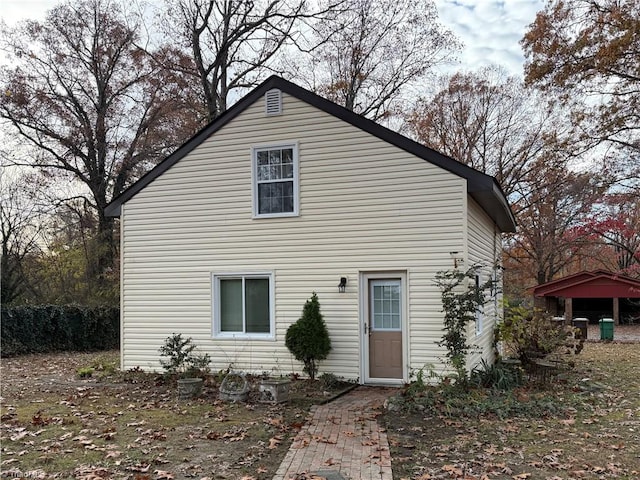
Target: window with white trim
<point>243,306</point>
<point>275,180</point>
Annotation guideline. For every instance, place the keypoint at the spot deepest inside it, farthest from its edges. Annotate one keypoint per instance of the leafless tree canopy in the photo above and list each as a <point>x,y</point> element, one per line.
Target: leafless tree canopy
<point>369,57</point>
<point>91,104</point>
<point>231,43</point>
<point>20,228</point>
<point>488,121</point>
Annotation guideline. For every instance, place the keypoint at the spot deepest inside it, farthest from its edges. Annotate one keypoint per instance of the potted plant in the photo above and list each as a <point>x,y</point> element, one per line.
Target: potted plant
<point>274,389</point>
<point>183,363</point>
<point>234,387</point>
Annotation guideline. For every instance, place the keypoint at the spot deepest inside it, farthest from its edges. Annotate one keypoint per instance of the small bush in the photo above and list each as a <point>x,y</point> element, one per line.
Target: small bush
<point>181,359</point>
<point>329,380</point>
<point>105,365</point>
<point>85,372</point>
<point>499,376</point>
<point>462,297</point>
<point>418,386</point>
<point>529,334</point>
<point>308,339</point>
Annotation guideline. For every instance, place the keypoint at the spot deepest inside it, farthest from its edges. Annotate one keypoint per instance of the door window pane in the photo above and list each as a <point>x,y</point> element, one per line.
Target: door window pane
<point>385,305</point>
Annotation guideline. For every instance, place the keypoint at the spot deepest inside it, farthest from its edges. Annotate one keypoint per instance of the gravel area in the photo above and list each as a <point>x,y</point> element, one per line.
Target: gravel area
<point>621,333</point>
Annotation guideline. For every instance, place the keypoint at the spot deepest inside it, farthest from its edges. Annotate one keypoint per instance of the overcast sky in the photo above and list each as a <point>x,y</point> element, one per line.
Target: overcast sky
<point>490,29</point>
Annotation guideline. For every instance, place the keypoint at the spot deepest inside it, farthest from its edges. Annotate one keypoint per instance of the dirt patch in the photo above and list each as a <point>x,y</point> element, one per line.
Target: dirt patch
<point>582,423</point>
<point>131,425</point>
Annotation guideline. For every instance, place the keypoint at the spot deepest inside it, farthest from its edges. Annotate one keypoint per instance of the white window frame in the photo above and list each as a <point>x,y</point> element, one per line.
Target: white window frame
<point>215,295</point>
<point>384,283</point>
<point>254,179</point>
<point>480,308</point>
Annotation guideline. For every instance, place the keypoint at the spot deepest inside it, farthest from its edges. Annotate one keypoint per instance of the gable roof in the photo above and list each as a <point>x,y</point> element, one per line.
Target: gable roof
<point>596,284</point>
<point>553,285</point>
<point>483,188</point>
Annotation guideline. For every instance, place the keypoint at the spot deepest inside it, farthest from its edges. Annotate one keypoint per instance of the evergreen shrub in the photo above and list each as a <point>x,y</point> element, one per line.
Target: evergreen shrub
<point>308,339</point>
<point>55,328</point>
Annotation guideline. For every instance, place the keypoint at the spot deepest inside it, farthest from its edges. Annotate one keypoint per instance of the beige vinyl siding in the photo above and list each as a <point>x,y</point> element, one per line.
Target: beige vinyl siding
<point>365,206</point>
<point>485,246</point>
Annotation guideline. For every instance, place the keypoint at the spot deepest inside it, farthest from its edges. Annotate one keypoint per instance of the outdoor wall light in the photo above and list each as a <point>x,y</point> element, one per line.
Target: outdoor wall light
<point>457,258</point>
<point>342,285</point>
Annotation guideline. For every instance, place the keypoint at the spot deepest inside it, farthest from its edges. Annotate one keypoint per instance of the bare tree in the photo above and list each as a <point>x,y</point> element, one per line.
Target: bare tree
<point>488,121</point>
<point>495,124</point>
<point>21,228</point>
<point>232,44</point>
<point>91,104</point>
<point>371,55</point>
<point>552,202</point>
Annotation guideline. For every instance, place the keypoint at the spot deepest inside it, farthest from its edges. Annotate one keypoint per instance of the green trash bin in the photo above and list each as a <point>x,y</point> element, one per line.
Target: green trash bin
<point>606,329</point>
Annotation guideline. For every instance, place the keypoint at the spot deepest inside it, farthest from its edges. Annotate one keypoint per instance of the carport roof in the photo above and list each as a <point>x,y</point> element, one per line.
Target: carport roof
<point>596,284</point>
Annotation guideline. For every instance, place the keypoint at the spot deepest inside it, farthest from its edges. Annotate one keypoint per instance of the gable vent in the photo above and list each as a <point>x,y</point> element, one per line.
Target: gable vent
<point>273,102</point>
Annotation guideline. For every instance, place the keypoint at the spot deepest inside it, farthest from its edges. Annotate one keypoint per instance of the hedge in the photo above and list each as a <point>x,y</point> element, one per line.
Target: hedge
<point>55,328</point>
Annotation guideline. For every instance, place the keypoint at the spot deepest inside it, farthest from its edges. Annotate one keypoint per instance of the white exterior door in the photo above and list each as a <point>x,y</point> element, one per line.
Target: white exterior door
<point>384,320</point>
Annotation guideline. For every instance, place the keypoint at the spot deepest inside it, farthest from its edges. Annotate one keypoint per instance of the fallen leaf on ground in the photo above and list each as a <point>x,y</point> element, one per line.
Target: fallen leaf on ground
<point>452,469</point>
<point>163,475</point>
<point>274,442</point>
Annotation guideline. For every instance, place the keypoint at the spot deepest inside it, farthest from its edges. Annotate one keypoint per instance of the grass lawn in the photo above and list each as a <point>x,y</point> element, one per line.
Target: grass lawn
<point>131,425</point>
<point>581,424</point>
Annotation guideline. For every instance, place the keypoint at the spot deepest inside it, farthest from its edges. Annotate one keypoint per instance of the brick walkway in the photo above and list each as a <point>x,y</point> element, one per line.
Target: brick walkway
<point>342,440</point>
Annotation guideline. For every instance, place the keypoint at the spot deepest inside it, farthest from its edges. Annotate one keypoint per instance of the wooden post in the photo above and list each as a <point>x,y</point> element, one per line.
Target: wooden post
<point>551,305</point>
<point>616,311</point>
<point>568,310</point>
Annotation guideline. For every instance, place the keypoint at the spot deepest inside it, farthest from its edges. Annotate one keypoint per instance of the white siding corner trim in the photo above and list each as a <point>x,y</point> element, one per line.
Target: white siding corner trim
<point>479,315</point>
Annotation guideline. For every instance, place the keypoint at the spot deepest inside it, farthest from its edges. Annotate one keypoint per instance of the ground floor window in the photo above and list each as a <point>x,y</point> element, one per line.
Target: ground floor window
<point>243,305</point>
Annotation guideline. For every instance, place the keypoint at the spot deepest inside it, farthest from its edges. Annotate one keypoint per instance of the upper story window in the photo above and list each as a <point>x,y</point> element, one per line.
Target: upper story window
<point>275,181</point>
